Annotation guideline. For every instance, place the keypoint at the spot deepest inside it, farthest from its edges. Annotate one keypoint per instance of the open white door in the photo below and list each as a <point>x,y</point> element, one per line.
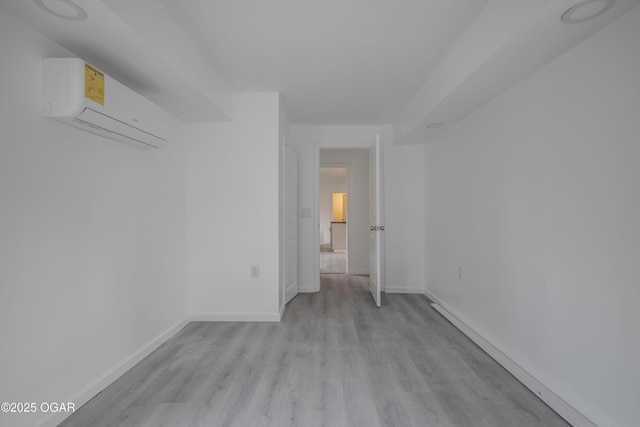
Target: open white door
<point>375,219</point>
<point>290,223</point>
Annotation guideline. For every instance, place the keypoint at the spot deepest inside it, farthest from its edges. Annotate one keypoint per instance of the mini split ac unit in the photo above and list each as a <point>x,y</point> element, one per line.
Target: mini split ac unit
<point>80,95</point>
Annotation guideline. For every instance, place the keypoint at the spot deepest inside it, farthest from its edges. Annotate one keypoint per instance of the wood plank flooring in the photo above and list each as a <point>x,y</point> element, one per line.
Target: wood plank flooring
<point>335,360</point>
<point>333,262</point>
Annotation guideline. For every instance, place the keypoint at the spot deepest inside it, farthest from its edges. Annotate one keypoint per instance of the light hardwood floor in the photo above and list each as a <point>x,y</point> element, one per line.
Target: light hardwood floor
<point>333,262</point>
<point>335,360</point>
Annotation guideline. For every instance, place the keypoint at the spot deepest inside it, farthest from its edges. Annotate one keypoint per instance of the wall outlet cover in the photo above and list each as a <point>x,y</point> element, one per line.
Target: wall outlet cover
<point>255,271</point>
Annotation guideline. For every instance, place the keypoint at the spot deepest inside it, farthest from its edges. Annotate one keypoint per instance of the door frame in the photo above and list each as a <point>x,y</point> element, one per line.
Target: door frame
<point>316,199</point>
<point>293,212</point>
<point>376,222</point>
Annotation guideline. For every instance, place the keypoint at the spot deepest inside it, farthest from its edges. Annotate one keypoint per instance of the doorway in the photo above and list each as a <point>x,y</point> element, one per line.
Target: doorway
<point>347,170</point>
<point>365,237</point>
<point>333,229</point>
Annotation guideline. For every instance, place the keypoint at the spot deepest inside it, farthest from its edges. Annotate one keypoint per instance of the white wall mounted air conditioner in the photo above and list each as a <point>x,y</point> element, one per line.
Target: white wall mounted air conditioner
<point>78,94</point>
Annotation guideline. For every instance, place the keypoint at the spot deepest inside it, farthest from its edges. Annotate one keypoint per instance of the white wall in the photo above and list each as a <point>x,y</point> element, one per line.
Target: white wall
<point>403,185</point>
<point>535,196</point>
<point>357,161</point>
<point>329,184</point>
<point>92,243</point>
<point>233,211</point>
<point>404,215</point>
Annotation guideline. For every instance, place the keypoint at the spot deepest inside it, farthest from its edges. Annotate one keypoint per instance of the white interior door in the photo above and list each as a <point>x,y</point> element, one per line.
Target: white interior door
<point>375,218</point>
<point>291,223</point>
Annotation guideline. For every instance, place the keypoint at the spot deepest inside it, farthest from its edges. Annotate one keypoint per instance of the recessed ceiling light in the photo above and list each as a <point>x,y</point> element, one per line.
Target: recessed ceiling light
<point>586,10</point>
<point>65,9</point>
<point>435,125</point>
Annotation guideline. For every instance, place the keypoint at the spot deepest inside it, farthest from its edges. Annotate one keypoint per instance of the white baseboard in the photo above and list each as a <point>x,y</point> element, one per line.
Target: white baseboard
<point>236,317</point>
<point>359,272</point>
<point>284,306</point>
<point>307,289</point>
<point>114,373</point>
<point>560,405</point>
<point>403,290</point>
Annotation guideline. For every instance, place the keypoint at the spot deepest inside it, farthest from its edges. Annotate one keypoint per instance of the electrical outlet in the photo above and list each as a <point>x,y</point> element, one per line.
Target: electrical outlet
<point>255,271</point>
<point>460,273</point>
